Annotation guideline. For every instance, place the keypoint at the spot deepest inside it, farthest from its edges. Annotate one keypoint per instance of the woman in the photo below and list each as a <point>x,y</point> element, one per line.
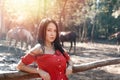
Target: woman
<point>53,62</point>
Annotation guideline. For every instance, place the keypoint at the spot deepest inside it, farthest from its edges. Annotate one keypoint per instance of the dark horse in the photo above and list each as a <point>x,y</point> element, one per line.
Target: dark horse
<point>117,36</point>
<point>68,37</point>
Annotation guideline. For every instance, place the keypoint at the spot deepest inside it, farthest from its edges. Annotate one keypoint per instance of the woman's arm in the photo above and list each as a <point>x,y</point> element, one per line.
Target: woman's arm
<point>23,64</point>
<point>69,63</point>
<point>29,58</point>
<point>45,75</point>
<point>69,67</point>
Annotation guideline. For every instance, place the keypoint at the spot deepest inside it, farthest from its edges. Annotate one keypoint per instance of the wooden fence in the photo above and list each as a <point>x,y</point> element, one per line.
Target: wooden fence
<point>18,75</point>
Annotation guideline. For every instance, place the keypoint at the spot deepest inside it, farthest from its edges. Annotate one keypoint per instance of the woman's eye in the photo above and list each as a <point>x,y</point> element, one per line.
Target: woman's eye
<point>51,30</point>
<point>48,30</point>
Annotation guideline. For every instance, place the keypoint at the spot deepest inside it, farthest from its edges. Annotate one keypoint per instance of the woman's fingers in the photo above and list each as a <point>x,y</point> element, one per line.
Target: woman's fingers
<point>45,75</point>
<point>69,70</point>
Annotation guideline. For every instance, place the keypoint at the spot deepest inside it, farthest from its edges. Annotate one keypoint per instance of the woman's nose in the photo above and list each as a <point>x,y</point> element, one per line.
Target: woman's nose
<point>53,33</point>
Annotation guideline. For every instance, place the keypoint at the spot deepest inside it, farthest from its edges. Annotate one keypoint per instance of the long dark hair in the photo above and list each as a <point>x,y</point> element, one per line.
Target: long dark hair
<point>42,34</point>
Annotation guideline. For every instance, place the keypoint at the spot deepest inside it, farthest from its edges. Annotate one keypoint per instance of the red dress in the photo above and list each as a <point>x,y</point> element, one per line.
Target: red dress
<point>54,64</point>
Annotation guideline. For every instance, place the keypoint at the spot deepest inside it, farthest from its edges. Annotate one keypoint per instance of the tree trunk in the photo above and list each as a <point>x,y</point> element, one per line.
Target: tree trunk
<point>62,15</point>
<point>92,32</point>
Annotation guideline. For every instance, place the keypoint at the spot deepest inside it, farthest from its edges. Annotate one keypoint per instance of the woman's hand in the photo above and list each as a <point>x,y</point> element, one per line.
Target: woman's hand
<point>44,75</point>
<point>69,70</point>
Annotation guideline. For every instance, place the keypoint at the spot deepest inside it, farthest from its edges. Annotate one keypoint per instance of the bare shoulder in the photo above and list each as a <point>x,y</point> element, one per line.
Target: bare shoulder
<point>36,50</point>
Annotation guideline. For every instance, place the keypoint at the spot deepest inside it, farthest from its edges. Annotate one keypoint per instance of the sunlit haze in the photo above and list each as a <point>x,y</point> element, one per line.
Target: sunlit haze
<point>22,9</point>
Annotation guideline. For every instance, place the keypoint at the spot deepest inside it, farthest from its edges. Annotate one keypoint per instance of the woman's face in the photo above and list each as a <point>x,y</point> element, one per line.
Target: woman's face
<point>51,33</point>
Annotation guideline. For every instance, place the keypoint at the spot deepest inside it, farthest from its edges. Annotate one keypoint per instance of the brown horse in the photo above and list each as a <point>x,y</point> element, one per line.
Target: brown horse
<point>68,37</point>
<point>117,36</point>
<point>20,35</point>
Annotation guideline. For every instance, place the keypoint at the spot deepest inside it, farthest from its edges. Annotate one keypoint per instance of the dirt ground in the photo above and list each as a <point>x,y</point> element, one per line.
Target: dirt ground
<point>85,52</point>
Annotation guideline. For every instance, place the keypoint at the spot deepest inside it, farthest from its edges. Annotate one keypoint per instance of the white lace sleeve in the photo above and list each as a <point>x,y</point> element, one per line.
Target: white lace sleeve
<point>35,50</point>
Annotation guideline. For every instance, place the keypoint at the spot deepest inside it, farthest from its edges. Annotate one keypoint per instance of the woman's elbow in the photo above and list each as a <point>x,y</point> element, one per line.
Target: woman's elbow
<point>20,66</point>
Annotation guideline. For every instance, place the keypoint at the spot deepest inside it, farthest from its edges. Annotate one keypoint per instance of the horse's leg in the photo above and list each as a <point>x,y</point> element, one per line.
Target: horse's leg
<point>75,46</point>
<point>9,44</point>
<point>27,46</point>
<point>22,45</point>
<point>70,46</point>
<point>118,48</point>
<point>15,46</point>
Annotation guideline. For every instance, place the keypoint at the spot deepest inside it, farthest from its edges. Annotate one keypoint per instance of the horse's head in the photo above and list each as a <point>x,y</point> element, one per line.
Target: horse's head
<point>68,36</point>
<point>63,36</point>
<point>113,36</point>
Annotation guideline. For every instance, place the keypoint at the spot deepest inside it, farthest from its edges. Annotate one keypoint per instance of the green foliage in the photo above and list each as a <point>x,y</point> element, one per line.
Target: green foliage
<point>78,15</point>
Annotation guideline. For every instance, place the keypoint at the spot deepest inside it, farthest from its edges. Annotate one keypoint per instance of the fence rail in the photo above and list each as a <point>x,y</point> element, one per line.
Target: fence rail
<point>18,75</point>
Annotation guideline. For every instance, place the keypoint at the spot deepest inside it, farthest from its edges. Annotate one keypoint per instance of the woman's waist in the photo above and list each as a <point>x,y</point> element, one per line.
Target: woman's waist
<point>58,76</point>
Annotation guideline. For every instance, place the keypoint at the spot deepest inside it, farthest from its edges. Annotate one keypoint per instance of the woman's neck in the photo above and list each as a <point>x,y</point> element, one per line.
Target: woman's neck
<point>48,45</point>
<point>49,48</point>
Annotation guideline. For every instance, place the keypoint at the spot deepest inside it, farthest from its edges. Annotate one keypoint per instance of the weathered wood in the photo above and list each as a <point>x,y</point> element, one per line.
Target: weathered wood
<point>95,64</point>
<point>18,75</point>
